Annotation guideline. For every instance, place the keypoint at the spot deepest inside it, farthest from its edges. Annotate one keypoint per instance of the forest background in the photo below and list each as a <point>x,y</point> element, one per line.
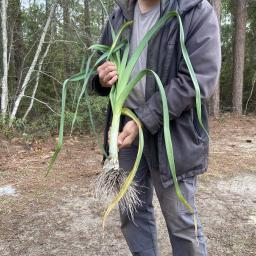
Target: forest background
<point>43,43</point>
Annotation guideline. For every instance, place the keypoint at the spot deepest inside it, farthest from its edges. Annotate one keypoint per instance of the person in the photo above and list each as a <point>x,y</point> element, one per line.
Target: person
<point>190,142</point>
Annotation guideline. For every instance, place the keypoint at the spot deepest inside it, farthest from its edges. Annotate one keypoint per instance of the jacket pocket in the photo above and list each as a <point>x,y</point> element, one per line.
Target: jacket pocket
<point>198,130</point>
<point>188,149</point>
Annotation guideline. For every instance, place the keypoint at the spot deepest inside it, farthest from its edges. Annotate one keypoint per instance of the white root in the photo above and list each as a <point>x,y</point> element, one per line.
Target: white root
<point>108,185</point>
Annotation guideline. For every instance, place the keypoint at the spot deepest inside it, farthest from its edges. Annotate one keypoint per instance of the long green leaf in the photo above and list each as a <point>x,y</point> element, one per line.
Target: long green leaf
<point>60,141</point>
<point>169,149</point>
<point>113,46</point>
<point>105,55</point>
<point>99,47</point>
<point>86,79</point>
<point>192,74</point>
<point>87,75</point>
<point>75,96</point>
<point>168,141</point>
<point>124,60</point>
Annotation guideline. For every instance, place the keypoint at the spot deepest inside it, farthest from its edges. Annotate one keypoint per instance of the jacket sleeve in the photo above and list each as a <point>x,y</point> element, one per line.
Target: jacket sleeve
<point>204,48</point>
<point>96,86</point>
<point>106,39</point>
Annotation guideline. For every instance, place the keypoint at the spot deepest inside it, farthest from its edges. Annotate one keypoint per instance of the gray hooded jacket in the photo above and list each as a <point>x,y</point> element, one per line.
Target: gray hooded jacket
<point>202,39</point>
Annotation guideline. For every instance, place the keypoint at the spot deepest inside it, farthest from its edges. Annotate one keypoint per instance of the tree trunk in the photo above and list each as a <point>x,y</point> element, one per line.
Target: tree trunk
<point>18,44</point>
<point>102,19</point>
<point>40,65</point>
<point>239,52</point>
<point>214,103</point>
<point>4,96</point>
<point>32,67</point>
<point>87,20</point>
<point>66,37</point>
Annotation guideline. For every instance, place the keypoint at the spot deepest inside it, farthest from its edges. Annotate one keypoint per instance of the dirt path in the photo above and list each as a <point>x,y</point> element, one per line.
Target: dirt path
<point>58,215</point>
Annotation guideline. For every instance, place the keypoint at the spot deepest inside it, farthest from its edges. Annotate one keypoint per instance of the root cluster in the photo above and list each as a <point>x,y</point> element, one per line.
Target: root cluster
<point>108,185</point>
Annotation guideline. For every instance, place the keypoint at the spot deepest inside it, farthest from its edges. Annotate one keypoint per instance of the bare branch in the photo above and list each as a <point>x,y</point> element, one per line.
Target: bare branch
<point>42,102</point>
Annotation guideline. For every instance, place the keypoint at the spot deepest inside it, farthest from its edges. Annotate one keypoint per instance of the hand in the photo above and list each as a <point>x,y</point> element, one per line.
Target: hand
<point>107,74</point>
<point>128,135</point>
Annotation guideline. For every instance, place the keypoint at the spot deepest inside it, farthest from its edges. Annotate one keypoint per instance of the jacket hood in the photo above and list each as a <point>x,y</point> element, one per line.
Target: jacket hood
<point>182,6</point>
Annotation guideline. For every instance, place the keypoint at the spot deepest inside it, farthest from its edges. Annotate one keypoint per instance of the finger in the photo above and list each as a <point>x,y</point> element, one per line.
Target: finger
<point>107,65</point>
<point>109,76</point>
<point>112,81</point>
<point>103,74</point>
<point>104,66</point>
<point>121,138</point>
<point>127,142</point>
<point>109,69</point>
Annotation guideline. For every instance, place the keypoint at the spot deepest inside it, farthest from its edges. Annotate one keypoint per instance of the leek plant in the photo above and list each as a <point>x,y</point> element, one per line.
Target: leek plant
<point>113,180</point>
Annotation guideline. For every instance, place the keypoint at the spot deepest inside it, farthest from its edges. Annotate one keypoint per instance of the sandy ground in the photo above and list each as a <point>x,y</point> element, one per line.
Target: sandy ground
<point>59,215</point>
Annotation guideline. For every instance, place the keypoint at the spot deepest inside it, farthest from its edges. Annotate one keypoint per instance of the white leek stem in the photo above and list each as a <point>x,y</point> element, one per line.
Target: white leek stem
<point>114,132</point>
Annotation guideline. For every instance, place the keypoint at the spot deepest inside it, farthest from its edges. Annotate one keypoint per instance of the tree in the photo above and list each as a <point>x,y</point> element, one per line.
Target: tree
<point>4,97</point>
<point>32,66</point>
<point>66,37</point>
<point>214,103</point>
<point>18,44</point>
<point>87,23</point>
<point>40,65</point>
<point>239,54</point>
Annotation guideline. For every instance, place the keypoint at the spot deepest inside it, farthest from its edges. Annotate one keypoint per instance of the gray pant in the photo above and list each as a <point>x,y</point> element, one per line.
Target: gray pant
<point>141,235</point>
